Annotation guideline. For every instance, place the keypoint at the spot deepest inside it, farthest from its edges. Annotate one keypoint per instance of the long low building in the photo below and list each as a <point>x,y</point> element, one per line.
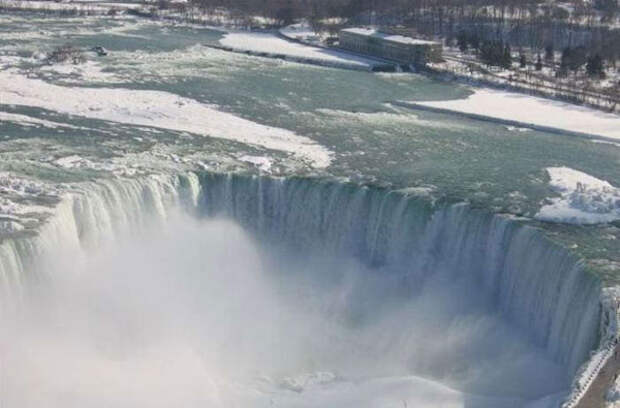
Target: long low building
<point>398,48</point>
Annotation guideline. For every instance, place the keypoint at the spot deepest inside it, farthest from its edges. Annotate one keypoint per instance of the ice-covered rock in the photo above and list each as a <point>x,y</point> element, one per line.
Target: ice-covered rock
<point>584,199</point>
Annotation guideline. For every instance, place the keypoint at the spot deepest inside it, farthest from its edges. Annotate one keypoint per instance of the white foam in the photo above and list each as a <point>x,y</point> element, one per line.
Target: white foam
<point>385,118</point>
<point>583,199</point>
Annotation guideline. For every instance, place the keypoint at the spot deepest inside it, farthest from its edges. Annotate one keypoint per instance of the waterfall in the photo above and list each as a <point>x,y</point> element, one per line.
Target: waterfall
<point>534,283</point>
<point>87,217</point>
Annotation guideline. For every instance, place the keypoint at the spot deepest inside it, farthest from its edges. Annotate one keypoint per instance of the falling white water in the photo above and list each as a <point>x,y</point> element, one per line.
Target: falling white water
<point>330,294</point>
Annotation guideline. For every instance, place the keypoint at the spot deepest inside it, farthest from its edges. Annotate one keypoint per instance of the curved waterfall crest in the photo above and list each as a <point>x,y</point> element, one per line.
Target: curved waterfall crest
<point>87,216</point>
<point>536,284</point>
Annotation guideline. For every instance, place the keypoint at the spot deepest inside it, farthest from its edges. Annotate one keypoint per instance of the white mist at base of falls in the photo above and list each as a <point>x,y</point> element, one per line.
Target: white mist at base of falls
<point>201,314</point>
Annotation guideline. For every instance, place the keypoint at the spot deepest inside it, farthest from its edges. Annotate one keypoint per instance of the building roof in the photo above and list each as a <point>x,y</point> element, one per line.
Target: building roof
<point>371,32</point>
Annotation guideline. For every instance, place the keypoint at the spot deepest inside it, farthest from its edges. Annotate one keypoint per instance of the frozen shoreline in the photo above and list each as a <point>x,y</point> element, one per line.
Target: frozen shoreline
<point>528,111</point>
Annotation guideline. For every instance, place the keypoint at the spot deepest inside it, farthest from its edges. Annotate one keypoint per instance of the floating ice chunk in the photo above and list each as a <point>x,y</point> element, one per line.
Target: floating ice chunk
<point>517,129</point>
<point>68,161</point>
<point>583,199</point>
<point>263,163</point>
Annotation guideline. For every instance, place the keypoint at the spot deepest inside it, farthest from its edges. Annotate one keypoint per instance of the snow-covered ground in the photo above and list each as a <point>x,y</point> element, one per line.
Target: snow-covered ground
<point>300,32</point>
<point>535,111</point>
<point>156,109</point>
<point>272,44</point>
<point>583,199</point>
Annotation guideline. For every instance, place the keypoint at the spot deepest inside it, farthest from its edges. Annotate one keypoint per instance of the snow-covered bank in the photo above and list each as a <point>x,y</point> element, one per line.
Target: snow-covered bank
<point>157,109</point>
<point>583,199</point>
<point>271,44</point>
<point>533,111</point>
<point>300,32</point>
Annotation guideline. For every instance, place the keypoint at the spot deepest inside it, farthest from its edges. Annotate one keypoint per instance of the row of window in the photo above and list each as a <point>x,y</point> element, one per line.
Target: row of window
<point>383,49</point>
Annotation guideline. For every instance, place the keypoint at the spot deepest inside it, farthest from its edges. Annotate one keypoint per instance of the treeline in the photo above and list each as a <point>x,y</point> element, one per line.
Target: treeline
<point>499,54</point>
<point>534,24</point>
<point>572,11</point>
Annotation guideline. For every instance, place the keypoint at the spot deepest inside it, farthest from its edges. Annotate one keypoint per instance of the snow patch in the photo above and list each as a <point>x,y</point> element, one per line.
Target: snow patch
<point>271,44</point>
<point>301,32</point>
<point>583,199</point>
<point>384,118</point>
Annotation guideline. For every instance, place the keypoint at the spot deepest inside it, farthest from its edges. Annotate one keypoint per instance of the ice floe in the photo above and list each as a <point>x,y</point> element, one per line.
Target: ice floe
<point>157,109</point>
<point>584,199</point>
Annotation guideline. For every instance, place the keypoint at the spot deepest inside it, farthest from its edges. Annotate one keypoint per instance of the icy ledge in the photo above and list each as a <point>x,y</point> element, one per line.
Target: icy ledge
<point>583,199</point>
